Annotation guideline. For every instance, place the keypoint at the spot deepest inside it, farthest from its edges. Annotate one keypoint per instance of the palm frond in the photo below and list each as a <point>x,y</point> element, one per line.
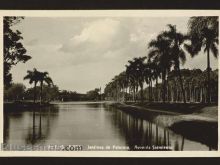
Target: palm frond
<point>49,81</point>
<point>182,56</point>
<point>152,53</point>
<point>152,43</point>
<point>27,77</point>
<point>214,50</point>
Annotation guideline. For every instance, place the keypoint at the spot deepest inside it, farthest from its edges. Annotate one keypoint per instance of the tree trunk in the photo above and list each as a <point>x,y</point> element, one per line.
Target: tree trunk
<point>175,92</point>
<point>35,84</point>
<point>156,89</point>
<point>208,72</point>
<point>126,91</point>
<point>142,93</point>
<point>41,89</point>
<point>201,95</point>
<point>172,94</point>
<point>181,84</point>
<point>129,93</point>
<point>164,86</point>
<point>194,94</point>
<point>149,91</point>
<point>33,137</point>
<point>168,88</point>
<point>134,93</point>
<point>40,127</point>
<point>190,93</point>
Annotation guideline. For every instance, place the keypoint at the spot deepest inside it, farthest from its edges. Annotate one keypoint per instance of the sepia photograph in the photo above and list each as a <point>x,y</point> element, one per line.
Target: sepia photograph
<point>110,83</point>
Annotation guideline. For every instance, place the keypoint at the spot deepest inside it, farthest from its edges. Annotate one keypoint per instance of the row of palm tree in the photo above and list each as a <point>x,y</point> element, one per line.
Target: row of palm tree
<point>166,54</point>
<point>195,85</point>
<point>36,76</point>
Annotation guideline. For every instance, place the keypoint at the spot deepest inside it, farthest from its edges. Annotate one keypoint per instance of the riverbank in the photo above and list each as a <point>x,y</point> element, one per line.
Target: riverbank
<point>182,108</point>
<point>197,122</point>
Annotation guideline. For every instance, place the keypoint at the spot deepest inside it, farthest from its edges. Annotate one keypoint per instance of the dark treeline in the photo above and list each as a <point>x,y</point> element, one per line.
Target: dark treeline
<point>194,82</point>
<point>92,95</point>
<point>161,69</point>
<point>18,92</point>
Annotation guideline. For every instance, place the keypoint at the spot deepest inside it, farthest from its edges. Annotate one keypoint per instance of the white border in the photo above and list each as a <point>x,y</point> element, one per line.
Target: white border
<point>100,13</point>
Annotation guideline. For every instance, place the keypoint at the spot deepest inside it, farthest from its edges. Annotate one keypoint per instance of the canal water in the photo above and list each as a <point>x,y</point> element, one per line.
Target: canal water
<point>92,126</point>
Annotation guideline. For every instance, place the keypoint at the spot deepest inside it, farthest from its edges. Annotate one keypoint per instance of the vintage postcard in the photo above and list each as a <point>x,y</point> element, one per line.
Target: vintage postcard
<point>109,83</point>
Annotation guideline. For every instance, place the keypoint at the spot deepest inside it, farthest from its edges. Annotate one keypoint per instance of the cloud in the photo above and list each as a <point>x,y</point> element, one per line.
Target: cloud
<point>98,32</point>
<point>97,41</point>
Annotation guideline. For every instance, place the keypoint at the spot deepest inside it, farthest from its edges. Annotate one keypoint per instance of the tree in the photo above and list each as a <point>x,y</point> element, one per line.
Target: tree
<point>50,92</point>
<point>14,51</point>
<point>93,94</point>
<point>135,70</point>
<point>123,84</point>
<point>177,53</point>
<point>132,80</point>
<point>33,77</point>
<point>15,92</point>
<point>152,72</point>
<point>160,55</point>
<point>203,33</point>
<point>43,77</point>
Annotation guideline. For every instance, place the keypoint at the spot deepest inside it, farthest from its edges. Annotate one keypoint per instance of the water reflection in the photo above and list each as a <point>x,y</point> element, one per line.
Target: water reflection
<point>37,128</point>
<point>90,124</point>
<point>141,134</point>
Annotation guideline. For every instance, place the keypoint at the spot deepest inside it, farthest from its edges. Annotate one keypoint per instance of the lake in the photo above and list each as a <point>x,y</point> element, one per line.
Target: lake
<point>91,125</point>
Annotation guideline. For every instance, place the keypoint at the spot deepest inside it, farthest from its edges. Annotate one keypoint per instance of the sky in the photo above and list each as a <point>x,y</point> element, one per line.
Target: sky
<point>84,53</point>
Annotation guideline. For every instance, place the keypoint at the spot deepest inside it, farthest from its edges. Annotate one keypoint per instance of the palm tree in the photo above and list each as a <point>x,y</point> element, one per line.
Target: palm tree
<point>148,78</point>
<point>203,33</point>
<point>132,80</point>
<point>160,54</point>
<point>123,84</point>
<point>156,73</point>
<point>116,87</point>
<point>178,55</point>
<point>43,77</point>
<point>148,75</point>
<point>33,77</point>
<point>135,69</point>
